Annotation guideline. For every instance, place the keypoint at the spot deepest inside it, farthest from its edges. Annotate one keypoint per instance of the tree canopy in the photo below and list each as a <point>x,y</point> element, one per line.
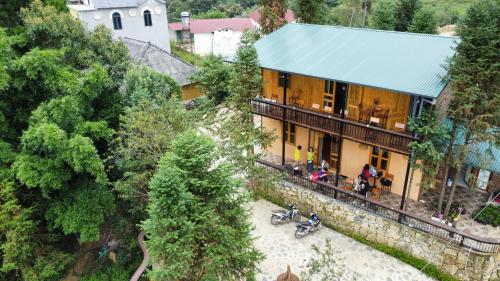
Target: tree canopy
<point>198,228</point>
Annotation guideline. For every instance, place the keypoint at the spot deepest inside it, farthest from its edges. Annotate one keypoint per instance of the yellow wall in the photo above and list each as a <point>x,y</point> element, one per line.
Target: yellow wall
<point>301,138</point>
<point>354,157</point>
<point>190,92</point>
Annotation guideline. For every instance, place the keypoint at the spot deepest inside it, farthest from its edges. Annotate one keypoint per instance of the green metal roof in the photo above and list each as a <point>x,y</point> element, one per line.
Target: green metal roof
<point>404,62</point>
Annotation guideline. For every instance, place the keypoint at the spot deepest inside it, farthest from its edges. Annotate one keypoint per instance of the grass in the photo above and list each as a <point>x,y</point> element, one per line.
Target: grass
<point>420,264</point>
<point>191,58</point>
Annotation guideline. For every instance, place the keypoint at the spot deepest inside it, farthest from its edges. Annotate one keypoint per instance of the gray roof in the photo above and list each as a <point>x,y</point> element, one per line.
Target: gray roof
<point>160,60</point>
<point>107,4</point>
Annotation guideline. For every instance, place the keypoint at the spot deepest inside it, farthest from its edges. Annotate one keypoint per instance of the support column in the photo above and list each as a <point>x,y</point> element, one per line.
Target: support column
<point>339,149</point>
<point>405,187</point>
<point>284,121</point>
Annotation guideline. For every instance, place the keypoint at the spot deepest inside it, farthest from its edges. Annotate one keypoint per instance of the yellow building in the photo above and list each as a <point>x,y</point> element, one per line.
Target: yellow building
<point>348,95</point>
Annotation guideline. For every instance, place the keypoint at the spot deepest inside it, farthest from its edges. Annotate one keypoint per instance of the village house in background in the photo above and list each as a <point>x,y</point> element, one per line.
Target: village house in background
<point>145,20</point>
<point>142,25</point>
<point>164,62</point>
<point>220,37</point>
<point>348,93</point>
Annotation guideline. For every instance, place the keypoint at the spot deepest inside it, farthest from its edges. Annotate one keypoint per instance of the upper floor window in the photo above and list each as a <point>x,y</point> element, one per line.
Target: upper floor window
<point>117,21</point>
<point>329,86</point>
<point>284,78</point>
<point>147,18</point>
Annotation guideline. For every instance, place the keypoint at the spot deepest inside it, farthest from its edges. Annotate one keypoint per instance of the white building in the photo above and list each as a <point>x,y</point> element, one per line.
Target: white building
<point>213,36</point>
<point>144,20</point>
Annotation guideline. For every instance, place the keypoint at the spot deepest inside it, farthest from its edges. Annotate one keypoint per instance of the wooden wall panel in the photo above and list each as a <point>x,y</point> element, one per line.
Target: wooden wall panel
<point>310,91</point>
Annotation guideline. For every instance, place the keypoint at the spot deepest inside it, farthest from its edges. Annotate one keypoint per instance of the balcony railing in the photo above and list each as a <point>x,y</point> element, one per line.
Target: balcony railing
<point>394,141</point>
<point>455,236</point>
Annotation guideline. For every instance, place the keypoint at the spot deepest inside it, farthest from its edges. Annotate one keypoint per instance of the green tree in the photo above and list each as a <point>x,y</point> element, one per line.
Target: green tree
<point>239,134</point>
<point>354,13</point>
<point>146,131</point>
<point>211,14</point>
<point>473,108</point>
<point>272,14</point>
<point>426,154</point>
<point>310,11</point>
<point>383,16</point>
<point>212,78</point>
<point>142,82</point>
<point>404,12</point>
<point>9,12</point>
<point>424,21</point>
<point>198,228</point>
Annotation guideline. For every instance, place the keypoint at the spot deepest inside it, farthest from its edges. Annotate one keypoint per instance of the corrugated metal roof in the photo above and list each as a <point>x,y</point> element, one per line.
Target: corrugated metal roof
<point>483,155</point>
<point>160,60</point>
<point>404,62</point>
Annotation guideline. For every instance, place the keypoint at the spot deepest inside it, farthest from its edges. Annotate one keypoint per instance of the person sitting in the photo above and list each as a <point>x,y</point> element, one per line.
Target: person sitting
<point>323,175</point>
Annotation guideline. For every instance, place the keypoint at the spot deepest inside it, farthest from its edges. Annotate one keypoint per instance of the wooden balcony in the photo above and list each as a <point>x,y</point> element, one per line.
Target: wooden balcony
<point>355,131</point>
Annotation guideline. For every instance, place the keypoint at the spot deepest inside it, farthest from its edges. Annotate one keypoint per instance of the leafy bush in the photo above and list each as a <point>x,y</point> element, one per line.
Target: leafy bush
<point>490,215</point>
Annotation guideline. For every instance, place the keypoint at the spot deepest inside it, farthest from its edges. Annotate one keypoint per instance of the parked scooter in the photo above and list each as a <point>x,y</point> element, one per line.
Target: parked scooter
<point>305,227</point>
<point>280,216</point>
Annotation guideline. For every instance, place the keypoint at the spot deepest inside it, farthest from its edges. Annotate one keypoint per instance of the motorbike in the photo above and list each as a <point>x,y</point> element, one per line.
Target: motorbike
<point>281,216</point>
<point>305,227</point>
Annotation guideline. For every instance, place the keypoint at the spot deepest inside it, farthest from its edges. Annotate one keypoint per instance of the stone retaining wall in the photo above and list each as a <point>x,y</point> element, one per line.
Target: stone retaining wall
<point>447,256</point>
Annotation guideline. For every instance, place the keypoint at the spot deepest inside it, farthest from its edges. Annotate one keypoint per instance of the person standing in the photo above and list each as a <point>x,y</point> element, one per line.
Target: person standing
<point>296,155</point>
<point>310,160</point>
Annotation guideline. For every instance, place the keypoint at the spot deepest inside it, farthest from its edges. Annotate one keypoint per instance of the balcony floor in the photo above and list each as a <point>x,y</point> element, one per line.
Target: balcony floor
<point>473,200</point>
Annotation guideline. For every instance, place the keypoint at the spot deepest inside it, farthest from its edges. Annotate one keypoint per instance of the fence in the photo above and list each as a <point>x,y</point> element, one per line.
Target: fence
<point>329,123</point>
<point>479,244</point>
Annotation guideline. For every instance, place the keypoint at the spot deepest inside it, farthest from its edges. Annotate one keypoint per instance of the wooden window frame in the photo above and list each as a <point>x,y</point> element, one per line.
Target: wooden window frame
<point>380,158</point>
<point>289,133</point>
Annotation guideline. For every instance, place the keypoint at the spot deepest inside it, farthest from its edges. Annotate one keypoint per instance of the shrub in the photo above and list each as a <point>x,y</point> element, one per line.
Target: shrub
<point>489,215</point>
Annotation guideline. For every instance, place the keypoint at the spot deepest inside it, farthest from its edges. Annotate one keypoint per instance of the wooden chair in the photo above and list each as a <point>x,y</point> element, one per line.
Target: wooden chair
<point>383,118</point>
<point>274,98</point>
<point>399,126</point>
<point>386,186</point>
<point>375,194</point>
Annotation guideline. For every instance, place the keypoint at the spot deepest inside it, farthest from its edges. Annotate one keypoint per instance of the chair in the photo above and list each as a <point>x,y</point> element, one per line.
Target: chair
<point>400,126</point>
<point>274,98</point>
<point>374,121</point>
<point>386,182</point>
<point>375,194</point>
<point>384,117</point>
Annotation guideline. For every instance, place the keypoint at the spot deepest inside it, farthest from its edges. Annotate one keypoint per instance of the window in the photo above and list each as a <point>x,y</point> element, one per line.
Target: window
<point>117,21</point>
<point>380,158</point>
<point>147,18</point>
<point>284,78</point>
<point>329,85</point>
<point>290,133</point>
<point>328,96</point>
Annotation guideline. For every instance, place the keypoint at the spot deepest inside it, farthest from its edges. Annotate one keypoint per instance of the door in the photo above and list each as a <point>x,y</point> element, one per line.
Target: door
<point>340,97</point>
<point>328,96</point>
<point>315,142</point>
<point>329,151</point>
<point>483,178</point>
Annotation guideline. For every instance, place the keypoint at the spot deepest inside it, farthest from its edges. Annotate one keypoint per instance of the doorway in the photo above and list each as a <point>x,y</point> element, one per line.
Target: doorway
<point>340,97</point>
<point>329,152</point>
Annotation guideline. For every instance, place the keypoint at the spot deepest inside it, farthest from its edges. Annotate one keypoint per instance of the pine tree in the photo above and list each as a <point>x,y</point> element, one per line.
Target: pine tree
<point>383,16</point>
<point>272,15</point>
<point>239,134</point>
<point>473,109</point>
<point>404,12</point>
<point>424,21</point>
<point>425,153</point>
<point>198,227</point>
<point>310,11</point>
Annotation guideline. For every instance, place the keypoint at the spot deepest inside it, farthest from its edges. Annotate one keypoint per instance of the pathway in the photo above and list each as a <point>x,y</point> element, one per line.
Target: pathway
<point>144,264</point>
<point>282,248</point>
